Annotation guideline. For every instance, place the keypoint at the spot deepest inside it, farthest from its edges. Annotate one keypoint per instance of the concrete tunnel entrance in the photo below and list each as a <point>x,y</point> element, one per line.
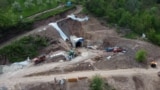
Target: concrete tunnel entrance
<point>79,44</point>
<point>76,42</point>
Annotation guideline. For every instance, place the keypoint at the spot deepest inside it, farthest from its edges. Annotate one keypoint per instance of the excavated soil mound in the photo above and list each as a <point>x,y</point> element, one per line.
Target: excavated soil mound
<point>71,27</point>
<point>53,37</point>
<point>80,67</point>
<point>49,32</point>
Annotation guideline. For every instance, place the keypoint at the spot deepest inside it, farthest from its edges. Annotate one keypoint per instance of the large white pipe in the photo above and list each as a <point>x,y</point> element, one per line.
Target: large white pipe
<point>73,17</point>
<point>59,30</point>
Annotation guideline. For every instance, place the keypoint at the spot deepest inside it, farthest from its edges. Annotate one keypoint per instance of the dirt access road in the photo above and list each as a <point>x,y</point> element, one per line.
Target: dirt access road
<point>121,72</point>
<point>46,67</point>
<point>19,76</point>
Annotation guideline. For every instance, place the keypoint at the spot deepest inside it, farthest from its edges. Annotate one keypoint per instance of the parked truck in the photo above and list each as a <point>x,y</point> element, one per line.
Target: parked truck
<point>39,59</point>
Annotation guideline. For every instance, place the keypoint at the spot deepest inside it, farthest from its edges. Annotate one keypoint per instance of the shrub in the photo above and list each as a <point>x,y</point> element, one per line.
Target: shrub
<point>97,83</point>
<point>141,56</point>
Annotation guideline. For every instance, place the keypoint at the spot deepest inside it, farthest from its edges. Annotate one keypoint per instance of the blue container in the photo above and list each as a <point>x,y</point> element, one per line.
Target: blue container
<point>69,3</point>
<point>109,49</point>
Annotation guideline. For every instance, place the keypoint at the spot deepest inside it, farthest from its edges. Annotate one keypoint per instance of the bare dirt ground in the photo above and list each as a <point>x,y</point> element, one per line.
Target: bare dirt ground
<point>122,79</point>
<point>121,71</point>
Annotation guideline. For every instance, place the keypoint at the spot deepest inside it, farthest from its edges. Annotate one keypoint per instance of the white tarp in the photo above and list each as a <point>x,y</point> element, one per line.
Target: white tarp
<point>23,63</point>
<point>59,30</point>
<point>57,54</point>
<point>72,16</point>
<point>16,66</point>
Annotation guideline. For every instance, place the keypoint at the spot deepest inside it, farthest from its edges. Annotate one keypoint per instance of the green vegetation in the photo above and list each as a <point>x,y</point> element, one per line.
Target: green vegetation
<point>14,20</point>
<point>141,56</point>
<point>55,12</point>
<point>19,9</point>
<point>8,31</point>
<point>131,36</point>
<point>14,11</point>
<point>13,15</point>
<point>21,49</point>
<point>141,16</point>
<point>97,83</point>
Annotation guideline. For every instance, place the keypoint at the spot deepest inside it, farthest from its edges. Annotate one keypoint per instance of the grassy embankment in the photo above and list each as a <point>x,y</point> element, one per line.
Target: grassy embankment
<point>11,24</point>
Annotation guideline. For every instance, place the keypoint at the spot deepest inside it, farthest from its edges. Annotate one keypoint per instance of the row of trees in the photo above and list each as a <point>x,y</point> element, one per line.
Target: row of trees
<point>141,16</point>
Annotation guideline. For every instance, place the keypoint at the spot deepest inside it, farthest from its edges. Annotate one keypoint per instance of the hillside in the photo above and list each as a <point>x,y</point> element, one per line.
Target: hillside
<point>66,49</point>
<point>139,16</point>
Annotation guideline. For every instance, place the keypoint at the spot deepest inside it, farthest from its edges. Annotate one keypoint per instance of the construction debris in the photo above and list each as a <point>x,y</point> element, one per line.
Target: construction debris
<point>97,58</point>
<point>109,57</point>
<point>57,56</point>
<point>71,54</point>
<point>72,80</point>
<point>115,49</point>
<point>92,47</point>
<point>109,49</point>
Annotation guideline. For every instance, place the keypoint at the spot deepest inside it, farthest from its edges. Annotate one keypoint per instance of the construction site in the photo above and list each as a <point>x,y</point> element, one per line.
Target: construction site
<point>82,46</point>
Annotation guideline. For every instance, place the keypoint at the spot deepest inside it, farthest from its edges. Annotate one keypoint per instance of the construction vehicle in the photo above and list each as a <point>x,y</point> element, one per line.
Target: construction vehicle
<point>117,49</point>
<point>39,59</point>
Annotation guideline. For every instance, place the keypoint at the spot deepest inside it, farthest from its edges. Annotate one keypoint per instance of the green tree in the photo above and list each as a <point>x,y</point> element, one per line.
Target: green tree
<point>4,21</point>
<point>132,5</point>
<point>97,83</point>
<point>125,19</point>
<point>16,7</point>
<point>158,1</point>
<point>92,7</point>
